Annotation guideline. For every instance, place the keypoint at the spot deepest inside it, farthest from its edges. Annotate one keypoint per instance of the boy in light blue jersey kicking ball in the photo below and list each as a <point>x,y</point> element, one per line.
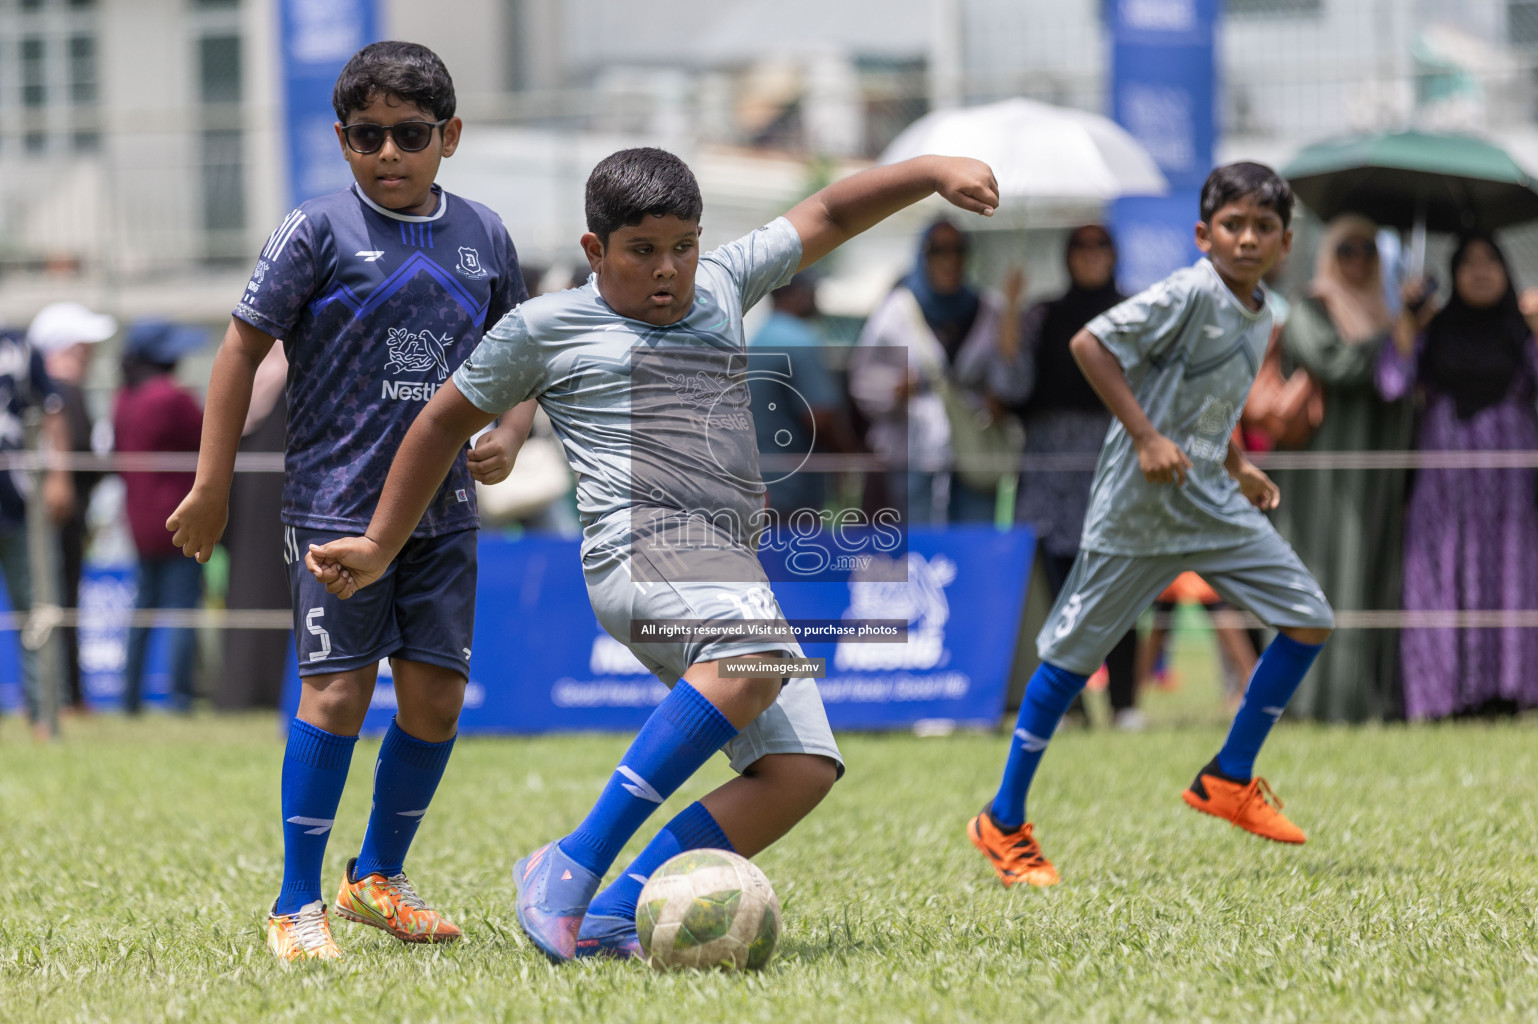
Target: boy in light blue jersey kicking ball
<point>1173,492</point>
<point>641,373</point>
<point>377,292</point>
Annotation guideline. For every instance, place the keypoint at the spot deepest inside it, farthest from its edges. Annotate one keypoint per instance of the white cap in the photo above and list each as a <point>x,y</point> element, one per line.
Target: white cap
<point>62,324</point>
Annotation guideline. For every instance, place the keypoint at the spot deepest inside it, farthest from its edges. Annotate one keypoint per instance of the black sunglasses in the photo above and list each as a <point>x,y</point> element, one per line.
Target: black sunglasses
<point>409,136</point>
<point>1364,248</point>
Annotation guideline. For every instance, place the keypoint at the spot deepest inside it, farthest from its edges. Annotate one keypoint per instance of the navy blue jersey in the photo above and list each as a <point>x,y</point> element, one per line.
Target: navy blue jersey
<point>23,383</point>
<point>375,309</point>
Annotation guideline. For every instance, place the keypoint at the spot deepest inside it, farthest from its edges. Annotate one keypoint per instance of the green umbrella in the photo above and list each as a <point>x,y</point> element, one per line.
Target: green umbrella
<point>1424,180</point>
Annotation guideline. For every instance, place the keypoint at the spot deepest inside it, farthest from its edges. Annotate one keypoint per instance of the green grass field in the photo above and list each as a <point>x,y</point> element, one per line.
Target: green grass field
<point>139,860</point>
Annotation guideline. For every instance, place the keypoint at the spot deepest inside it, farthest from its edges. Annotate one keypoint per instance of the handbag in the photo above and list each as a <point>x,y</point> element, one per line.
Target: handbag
<point>1287,409</point>
<point>987,447</point>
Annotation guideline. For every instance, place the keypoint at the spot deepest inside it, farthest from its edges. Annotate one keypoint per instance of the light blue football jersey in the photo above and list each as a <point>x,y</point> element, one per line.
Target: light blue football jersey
<point>653,418</point>
<point>1190,349</point>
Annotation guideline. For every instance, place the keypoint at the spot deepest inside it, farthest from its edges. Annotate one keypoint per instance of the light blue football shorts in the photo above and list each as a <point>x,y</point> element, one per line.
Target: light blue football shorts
<point>1104,595</point>
<point>795,724</point>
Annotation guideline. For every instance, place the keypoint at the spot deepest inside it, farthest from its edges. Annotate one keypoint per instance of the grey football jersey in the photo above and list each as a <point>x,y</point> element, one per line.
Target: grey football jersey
<point>654,419</point>
<point>1190,349</point>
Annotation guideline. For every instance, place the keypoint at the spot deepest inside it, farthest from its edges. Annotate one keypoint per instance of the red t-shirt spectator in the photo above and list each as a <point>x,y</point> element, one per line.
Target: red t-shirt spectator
<point>156,416</point>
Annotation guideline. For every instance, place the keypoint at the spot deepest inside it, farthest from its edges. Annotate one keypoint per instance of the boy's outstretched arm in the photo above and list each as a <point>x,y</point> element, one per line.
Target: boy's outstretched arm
<point>199,521</point>
<point>834,215</point>
<point>1161,460</point>
<point>441,429</point>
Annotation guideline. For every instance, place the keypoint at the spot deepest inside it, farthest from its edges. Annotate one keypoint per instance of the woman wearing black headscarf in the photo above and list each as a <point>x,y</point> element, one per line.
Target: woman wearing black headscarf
<point>1471,534</point>
<point>1036,377</point>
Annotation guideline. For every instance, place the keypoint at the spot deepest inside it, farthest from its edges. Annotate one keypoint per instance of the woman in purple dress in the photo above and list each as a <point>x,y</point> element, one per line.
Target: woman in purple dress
<point>1471,534</point>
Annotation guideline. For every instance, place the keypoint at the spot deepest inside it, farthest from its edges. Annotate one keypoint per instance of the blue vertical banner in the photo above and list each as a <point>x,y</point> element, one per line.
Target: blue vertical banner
<point>1163,91</point>
<point>316,37</point>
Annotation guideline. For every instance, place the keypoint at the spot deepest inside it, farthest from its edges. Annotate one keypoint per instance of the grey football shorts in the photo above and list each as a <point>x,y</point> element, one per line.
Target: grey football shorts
<point>1104,595</point>
<point>795,724</point>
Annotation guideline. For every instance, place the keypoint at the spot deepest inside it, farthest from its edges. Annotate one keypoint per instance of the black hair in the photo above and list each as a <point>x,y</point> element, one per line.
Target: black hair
<point>138,368</point>
<point>1072,236</point>
<point>935,227</point>
<point>804,281</point>
<point>408,71</point>
<point>636,183</point>
<point>1235,181</point>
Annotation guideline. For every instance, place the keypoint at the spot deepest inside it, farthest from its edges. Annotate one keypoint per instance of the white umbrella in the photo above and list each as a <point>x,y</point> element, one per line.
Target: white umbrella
<point>1038,151</point>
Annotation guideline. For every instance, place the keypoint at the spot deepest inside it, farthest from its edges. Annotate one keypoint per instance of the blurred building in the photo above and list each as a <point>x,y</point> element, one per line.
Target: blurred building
<point>142,154</point>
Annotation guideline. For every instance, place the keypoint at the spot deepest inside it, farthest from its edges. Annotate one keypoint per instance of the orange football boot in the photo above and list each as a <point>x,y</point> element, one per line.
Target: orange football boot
<point>303,935</point>
<point>1249,805</point>
<point>391,904</point>
<point>1015,855</point>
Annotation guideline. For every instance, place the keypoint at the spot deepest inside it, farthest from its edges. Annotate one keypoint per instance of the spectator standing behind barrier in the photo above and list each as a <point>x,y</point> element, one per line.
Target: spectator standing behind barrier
<point>255,659</point>
<point>1036,377</point>
<point>1471,535</point>
<point>948,329</point>
<point>24,385</point>
<point>66,334</point>
<point>801,414</point>
<point>1348,526</point>
<point>155,414</point>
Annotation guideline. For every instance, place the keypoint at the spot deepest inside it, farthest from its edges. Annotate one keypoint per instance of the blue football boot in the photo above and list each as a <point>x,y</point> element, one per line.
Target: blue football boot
<point>553,894</point>
<point>609,937</point>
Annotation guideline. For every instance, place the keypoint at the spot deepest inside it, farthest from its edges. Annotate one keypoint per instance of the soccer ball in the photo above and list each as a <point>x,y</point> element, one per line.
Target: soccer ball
<point>708,908</point>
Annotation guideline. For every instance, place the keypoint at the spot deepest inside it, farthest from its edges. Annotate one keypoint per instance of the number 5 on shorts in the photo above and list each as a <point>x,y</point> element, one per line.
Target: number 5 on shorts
<point>318,630</point>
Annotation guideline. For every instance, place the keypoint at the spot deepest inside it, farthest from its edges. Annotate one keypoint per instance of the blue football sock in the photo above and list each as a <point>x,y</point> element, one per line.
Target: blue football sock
<point>679,737</point>
<point>692,829</point>
<point>1276,677</point>
<point>1047,697</point>
<point>405,778</point>
<point>314,772</point>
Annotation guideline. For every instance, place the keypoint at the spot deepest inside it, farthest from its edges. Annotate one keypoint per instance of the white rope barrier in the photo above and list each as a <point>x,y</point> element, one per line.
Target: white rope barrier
<point>1051,462</point>
<point>44,619</point>
<point>272,462</point>
<point>36,626</point>
<point>1514,618</point>
<point>134,462</point>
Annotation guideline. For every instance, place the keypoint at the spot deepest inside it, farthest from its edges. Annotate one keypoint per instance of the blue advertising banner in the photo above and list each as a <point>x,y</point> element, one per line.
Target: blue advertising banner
<point>1163,91</point>
<point>541,662</point>
<point>106,599</point>
<point>315,38</point>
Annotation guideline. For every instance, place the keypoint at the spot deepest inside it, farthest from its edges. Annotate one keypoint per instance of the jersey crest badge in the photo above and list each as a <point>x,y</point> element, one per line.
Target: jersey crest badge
<point>470,263</point>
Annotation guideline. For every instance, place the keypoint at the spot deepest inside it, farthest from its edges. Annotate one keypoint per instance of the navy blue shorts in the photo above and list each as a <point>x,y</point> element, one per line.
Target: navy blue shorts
<point>421,609</point>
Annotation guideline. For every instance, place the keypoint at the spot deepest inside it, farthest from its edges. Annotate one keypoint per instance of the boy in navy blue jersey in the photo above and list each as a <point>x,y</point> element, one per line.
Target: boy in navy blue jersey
<point>1172,492</point>
<point>378,292</point>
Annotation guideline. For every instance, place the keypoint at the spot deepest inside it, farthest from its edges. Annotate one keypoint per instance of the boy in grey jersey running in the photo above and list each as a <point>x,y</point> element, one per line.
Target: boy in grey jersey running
<point>1173,492</point>
<point>641,373</point>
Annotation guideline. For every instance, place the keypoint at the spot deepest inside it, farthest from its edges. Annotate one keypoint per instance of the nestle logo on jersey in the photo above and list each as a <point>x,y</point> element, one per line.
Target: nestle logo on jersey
<point>408,390</point>
<point>415,352</point>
